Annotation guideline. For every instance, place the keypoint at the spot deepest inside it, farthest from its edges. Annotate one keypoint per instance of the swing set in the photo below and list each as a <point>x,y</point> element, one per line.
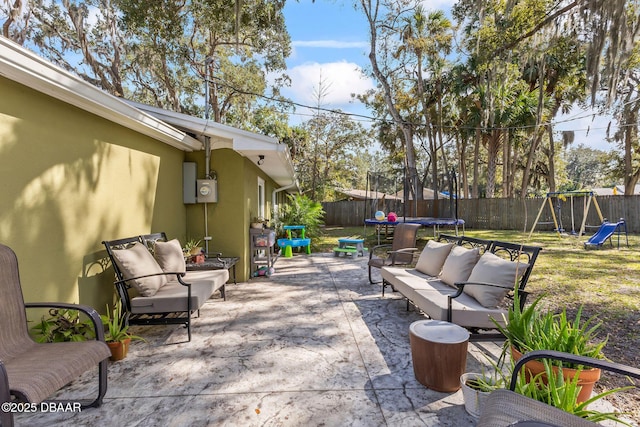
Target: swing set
<point>560,196</point>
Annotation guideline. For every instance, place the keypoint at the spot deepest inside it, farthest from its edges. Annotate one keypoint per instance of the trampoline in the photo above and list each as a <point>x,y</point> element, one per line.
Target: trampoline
<point>436,223</point>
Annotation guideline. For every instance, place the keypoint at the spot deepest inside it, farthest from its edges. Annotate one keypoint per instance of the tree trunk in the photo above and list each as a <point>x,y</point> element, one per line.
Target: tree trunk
<point>631,145</point>
<point>370,9</point>
<point>476,159</point>
<point>552,162</point>
<point>493,146</point>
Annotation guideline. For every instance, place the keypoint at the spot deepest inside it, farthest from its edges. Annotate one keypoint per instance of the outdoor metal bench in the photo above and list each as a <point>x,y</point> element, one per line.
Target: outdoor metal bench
<point>443,299</point>
<point>175,301</point>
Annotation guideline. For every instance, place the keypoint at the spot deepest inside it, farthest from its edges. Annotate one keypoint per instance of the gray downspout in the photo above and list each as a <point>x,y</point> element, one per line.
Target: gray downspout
<point>276,191</point>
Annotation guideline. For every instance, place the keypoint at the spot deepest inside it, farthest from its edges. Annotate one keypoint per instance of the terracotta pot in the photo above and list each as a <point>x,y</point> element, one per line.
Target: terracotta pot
<point>119,349</point>
<point>587,378</point>
<point>197,259</point>
<point>126,343</point>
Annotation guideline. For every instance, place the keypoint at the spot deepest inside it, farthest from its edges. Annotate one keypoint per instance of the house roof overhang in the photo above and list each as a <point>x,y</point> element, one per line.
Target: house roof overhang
<point>27,68</point>
<point>277,160</point>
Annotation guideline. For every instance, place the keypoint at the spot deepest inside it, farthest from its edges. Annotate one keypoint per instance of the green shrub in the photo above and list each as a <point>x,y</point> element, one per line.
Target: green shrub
<point>300,210</point>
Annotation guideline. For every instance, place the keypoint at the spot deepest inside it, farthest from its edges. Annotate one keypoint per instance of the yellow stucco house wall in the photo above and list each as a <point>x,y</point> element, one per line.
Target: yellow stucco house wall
<point>78,166</point>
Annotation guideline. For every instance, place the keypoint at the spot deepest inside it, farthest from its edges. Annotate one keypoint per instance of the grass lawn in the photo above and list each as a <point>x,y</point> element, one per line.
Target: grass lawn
<point>605,281</point>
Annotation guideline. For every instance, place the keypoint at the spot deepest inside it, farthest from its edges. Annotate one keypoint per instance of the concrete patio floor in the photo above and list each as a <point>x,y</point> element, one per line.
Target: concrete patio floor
<point>313,345</point>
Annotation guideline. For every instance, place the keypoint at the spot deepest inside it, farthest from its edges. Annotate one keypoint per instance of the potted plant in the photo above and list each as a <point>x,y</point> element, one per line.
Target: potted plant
<point>556,389</point>
<point>259,222</point>
<point>193,251</point>
<point>476,388</point>
<point>530,329</point>
<point>62,325</point>
<point>117,333</point>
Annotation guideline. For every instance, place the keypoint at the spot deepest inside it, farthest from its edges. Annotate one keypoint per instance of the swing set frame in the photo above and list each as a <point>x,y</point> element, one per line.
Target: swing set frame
<point>591,197</point>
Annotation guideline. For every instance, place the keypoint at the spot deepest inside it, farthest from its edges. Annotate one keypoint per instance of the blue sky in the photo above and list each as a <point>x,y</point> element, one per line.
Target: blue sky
<point>330,41</point>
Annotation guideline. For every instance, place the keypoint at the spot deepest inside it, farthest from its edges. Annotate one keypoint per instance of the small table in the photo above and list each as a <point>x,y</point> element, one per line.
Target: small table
<point>349,246</point>
<point>439,353</point>
<point>216,263</point>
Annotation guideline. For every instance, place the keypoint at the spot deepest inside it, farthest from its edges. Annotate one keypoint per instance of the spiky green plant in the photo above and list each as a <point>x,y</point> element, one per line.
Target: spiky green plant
<point>553,389</point>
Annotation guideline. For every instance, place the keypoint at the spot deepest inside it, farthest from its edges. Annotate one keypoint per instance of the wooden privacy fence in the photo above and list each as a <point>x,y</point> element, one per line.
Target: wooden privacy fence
<point>498,214</point>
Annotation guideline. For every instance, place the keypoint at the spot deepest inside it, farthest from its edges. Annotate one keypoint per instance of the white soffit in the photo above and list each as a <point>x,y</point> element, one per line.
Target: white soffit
<point>277,161</point>
<point>25,67</point>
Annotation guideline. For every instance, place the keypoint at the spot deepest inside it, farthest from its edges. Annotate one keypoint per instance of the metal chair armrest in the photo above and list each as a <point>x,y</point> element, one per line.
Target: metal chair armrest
<point>392,254</point>
<point>178,274</point>
<point>6,417</point>
<point>377,248</point>
<point>460,286</point>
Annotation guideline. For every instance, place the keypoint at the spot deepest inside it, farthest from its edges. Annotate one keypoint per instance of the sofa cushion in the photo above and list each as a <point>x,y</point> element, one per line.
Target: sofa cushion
<point>169,256</point>
<point>408,280</point>
<point>491,268</point>
<point>137,261</point>
<point>465,310</point>
<point>458,265</point>
<point>433,257</point>
<point>173,296</point>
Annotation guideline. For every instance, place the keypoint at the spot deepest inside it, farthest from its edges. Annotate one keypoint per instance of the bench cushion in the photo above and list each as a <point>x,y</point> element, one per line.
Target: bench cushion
<point>137,261</point>
<point>172,297</point>
<point>407,281</point>
<point>466,311</point>
<point>169,256</point>
<point>433,257</point>
<point>491,268</point>
<point>431,296</point>
<point>458,265</point>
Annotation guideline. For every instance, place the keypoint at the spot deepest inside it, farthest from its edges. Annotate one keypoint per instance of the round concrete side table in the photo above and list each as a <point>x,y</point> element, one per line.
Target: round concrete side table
<point>439,353</point>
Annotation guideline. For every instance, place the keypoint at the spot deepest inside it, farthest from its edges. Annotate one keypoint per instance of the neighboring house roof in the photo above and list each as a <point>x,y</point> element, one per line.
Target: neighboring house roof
<point>619,190</point>
<point>25,67</point>
<point>427,194</point>
<point>364,194</point>
<point>277,160</point>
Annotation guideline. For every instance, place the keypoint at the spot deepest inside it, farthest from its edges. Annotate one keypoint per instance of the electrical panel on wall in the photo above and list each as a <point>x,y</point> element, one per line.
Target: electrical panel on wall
<point>189,182</point>
<point>207,190</point>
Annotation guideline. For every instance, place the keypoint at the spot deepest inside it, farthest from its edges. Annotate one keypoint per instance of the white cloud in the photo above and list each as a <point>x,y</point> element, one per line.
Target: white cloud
<point>445,5</point>
<point>340,79</point>
<point>330,44</point>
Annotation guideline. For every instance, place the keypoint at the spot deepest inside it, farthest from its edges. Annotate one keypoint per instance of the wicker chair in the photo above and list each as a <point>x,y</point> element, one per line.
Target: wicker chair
<point>402,249</point>
<point>507,408</point>
<point>30,371</point>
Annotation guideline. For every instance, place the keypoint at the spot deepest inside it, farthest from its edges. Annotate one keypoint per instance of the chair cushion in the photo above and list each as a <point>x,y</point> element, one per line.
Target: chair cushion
<point>138,261</point>
<point>43,369</point>
<point>169,256</point>
<point>491,268</point>
<point>458,265</point>
<point>432,257</point>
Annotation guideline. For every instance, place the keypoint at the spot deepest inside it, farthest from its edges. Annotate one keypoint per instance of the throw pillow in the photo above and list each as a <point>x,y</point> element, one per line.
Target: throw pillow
<point>169,256</point>
<point>432,257</point>
<point>458,265</point>
<point>137,261</point>
<point>493,269</point>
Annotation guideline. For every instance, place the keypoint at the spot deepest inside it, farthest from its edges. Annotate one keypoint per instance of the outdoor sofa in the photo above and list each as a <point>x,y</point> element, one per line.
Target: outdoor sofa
<point>153,284</point>
<point>465,280</point>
